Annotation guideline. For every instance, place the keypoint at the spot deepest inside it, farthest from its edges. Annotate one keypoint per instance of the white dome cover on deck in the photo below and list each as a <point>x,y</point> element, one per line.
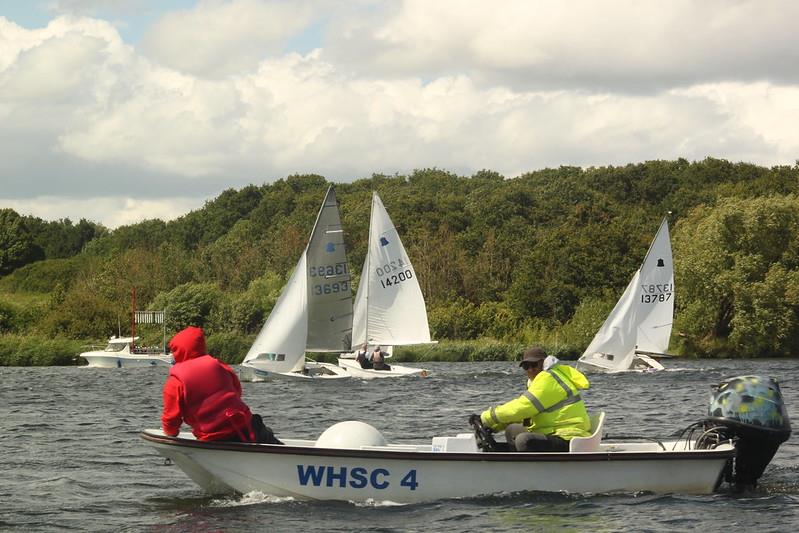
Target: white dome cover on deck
<point>350,434</point>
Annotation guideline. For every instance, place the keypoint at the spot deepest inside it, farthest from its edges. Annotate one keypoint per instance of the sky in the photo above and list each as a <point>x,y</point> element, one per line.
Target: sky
<point>123,110</point>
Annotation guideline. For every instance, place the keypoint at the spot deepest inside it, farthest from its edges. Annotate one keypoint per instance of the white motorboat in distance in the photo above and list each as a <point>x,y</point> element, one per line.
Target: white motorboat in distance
<point>118,354</point>
<point>123,352</point>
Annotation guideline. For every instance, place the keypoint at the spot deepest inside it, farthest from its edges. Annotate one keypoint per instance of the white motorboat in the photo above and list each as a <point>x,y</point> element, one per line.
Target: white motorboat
<point>389,307</point>
<point>351,461</point>
<point>313,313</point>
<point>118,354</point>
<point>123,352</point>
<point>638,329</point>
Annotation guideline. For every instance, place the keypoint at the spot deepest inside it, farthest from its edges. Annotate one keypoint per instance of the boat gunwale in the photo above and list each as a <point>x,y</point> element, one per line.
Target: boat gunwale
<point>515,457</point>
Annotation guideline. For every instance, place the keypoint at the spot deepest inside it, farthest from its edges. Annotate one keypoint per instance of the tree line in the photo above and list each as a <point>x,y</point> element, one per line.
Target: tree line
<point>538,258</point>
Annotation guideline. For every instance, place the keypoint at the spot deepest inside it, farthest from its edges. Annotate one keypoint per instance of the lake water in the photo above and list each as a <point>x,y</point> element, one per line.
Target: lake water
<point>71,458</point>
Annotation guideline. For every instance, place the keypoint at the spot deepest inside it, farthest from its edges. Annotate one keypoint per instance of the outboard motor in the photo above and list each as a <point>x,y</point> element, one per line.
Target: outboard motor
<point>750,411</point>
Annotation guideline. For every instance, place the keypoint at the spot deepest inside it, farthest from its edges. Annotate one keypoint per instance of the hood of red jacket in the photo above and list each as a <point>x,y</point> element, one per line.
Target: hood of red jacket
<point>188,344</point>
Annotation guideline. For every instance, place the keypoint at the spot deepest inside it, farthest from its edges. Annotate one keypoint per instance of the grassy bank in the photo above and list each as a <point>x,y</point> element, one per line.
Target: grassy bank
<point>30,350</point>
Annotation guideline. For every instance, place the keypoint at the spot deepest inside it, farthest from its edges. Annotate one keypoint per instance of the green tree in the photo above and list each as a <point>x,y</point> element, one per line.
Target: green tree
<point>190,304</point>
<point>17,247</point>
<point>737,266</point>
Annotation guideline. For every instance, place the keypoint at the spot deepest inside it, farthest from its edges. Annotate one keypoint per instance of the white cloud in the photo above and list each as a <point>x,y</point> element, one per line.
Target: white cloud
<point>217,38</point>
<point>512,90</point>
<point>619,45</point>
<point>93,7</point>
<point>112,211</point>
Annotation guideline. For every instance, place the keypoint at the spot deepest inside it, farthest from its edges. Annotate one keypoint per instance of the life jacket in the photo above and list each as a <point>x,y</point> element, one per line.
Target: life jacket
<point>378,360</point>
<point>363,360</point>
<point>211,405</point>
<point>551,405</point>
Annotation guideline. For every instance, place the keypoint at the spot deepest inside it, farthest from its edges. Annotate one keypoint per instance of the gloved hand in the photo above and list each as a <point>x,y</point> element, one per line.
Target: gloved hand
<point>475,420</point>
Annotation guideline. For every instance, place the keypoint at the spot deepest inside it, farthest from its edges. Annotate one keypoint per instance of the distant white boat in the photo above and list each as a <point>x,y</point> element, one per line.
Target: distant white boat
<point>639,327</point>
<point>314,311</point>
<point>389,306</point>
<point>122,352</point>
<point>118,354</point>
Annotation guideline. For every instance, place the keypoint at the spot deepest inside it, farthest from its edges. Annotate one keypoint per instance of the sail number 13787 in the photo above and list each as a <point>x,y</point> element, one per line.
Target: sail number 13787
<point>656,292</point>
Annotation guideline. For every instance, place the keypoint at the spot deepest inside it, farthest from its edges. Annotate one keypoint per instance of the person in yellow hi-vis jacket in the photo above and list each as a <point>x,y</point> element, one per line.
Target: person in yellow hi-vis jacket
<point>549,413</point>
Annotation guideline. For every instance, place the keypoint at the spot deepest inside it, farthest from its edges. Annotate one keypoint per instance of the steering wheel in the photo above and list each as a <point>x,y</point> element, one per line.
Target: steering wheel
<point>484,435</point>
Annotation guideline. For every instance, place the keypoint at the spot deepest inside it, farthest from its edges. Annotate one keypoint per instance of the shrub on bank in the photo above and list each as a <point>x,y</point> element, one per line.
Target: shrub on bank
<point>459,351</point>
<point>27,350</point>
<point>229,347</point>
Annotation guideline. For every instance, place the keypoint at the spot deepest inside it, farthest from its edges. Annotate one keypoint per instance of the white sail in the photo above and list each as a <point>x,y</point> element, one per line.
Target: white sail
<point>359,308</point>
<point>280,345</point>
<point>642,318</point>
<point>329,291</point>
<point>389,306</point>
<point>314,311</point>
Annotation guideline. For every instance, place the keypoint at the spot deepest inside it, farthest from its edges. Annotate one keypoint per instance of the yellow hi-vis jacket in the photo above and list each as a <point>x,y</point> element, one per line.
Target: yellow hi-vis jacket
<point>551,405</point>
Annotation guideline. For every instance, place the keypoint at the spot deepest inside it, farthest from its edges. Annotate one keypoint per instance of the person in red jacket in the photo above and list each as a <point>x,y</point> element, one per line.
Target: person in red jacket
<point>206,394</point>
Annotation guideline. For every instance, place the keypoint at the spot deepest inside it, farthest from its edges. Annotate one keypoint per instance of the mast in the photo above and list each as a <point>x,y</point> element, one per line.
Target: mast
<point>368,252</point>
<point>133,320</point>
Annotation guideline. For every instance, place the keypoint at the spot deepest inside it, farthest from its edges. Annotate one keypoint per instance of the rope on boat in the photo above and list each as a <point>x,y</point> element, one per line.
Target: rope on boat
<point>709,438</point>
<point>635,437</point>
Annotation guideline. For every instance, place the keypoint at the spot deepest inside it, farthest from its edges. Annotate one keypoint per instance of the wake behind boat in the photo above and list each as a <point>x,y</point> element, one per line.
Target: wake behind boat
<point>389,307</point>
<point>638,329</point>
<point>352,461</point>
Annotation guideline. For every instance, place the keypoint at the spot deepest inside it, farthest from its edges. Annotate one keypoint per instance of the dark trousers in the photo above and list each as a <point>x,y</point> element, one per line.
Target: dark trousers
<point>521,440</point>
<point>263,433</point>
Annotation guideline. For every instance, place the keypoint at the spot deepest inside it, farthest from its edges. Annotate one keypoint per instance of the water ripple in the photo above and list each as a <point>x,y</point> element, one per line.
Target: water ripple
<point>71,457</point>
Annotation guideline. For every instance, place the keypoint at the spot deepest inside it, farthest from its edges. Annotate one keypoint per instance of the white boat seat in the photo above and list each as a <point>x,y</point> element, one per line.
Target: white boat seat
<point>590,443</point>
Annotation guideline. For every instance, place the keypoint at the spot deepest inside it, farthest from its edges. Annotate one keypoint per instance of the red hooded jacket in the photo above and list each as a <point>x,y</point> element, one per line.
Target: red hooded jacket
<point>203,392</point>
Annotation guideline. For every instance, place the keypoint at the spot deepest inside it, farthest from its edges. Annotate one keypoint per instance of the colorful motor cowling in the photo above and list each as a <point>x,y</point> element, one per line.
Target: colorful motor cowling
<point>750,410</point>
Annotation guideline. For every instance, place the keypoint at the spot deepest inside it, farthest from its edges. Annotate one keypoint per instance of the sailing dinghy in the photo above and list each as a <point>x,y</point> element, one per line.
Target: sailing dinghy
<point>639,327</point>
<point>389,307</point>
<point>314,311</point>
